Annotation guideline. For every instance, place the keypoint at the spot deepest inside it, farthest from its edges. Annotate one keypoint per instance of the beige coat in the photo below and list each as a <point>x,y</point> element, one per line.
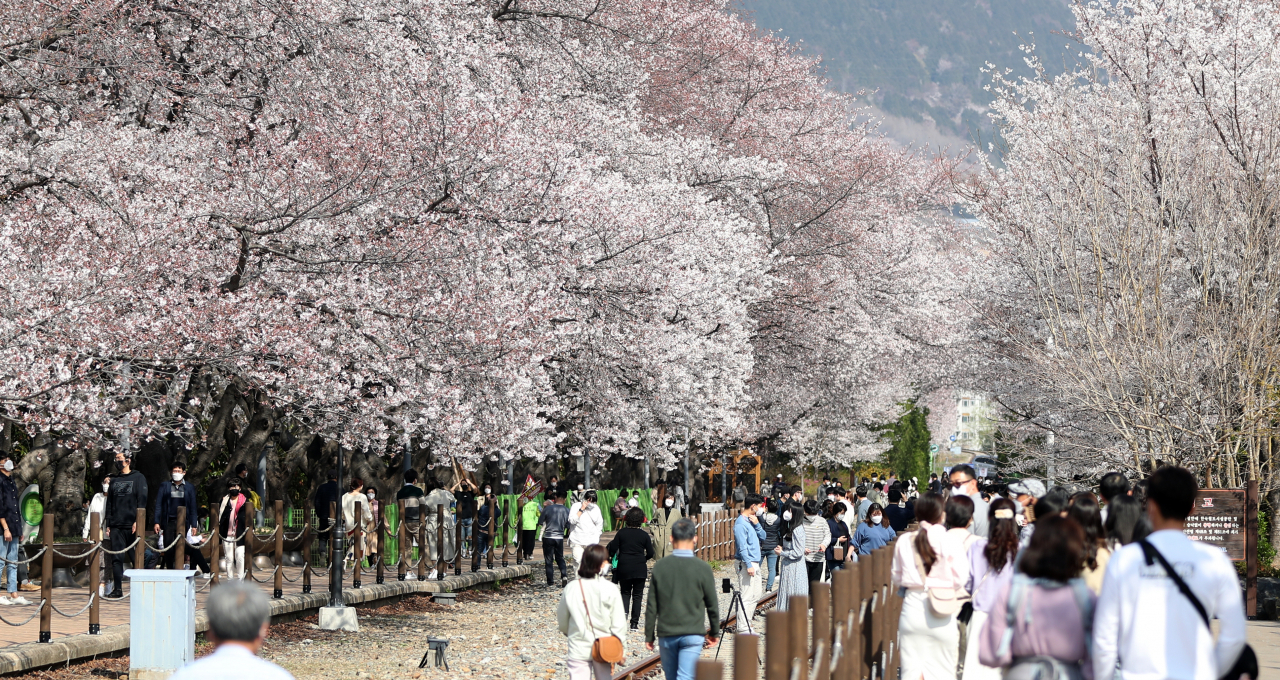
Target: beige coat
<point>661,530</point>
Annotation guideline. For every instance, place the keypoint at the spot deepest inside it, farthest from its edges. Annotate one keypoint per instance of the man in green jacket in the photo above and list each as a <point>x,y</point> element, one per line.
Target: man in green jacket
<point>682,590</point>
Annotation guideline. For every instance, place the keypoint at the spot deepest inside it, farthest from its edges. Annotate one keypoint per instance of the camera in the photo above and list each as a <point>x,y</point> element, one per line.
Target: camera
<point>726,585</point>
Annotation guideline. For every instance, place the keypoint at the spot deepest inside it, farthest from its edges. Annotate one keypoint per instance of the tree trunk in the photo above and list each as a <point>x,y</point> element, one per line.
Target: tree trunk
<point>215,439</point>
<point>282,468</point>
<point>67,498</point>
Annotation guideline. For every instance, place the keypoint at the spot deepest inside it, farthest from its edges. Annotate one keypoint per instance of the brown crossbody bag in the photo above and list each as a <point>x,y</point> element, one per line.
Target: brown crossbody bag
<point>607,649</point>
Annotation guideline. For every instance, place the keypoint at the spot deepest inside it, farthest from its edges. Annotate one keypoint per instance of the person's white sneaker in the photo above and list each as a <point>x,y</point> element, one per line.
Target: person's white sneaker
<point>4,601</point>
<point>20,600</point>
<point>432,576</point>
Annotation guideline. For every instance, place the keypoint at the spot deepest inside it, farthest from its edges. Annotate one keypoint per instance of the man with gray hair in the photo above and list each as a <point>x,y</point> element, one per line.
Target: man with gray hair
<point>684,609</point>
<point>239,615</point>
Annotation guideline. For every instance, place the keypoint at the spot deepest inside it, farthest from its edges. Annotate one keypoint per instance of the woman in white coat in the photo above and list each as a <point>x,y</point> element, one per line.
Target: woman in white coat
<point>586,524</point>
<point>590,608</point>
<point>930,559</point>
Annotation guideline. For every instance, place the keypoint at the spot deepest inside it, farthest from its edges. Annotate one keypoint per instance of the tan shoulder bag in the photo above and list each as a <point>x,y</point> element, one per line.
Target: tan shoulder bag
<point>607,649</point>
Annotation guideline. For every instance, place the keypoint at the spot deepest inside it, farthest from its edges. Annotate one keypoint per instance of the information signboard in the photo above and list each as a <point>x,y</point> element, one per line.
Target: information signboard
<point>1218,517</point>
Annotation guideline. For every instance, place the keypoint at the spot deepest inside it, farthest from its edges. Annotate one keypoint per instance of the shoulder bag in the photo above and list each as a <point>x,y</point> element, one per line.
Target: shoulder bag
<point>607,649</point>
<point>943,601</point>
<point>1247,663</point>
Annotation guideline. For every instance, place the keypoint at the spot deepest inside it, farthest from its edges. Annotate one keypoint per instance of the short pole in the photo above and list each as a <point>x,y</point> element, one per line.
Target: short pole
<point>777,647</point>
<point>357,548</point>
<point>746,658</point>
<point>422,546</point>
<point>798,634</point>
<point>380,548</point>
<point>278,591</point>
<point>215,550</point>
<point>46,579</point>
<point>140,550</point>
<point>502,534</point>
<point>180,528</point>
<point>402,543</point>
<point>307,537</point>
<point>457,546</point>
<point>821,646</point>
<point>335,556</point>
<point>492,534</point>
<point>519,533</point>
<point>95,572</point>
<point>709,670</point>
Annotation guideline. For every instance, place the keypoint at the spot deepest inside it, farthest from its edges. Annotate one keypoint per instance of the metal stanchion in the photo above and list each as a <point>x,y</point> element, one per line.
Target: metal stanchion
<point>307,538</point>
<point>402,543</point>
<point>95,573</point>
<point>46,578</point>
<point>278,590</point>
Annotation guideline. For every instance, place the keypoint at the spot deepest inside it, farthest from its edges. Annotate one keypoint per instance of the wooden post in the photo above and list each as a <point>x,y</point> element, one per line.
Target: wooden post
<point>140,550</point>
<point>278,591</point>
<point>777,647</point>
<point>492,533</point>
<point>46,577</point>
<point>95,572</point>
<point>180,527</point>
<point>457,547</point>
<point>1251,548</point>
<point>503,533</point>
<point>215,550</point>
<point>423,553</point>
<point>380,549</point>
<point>333,536</point>
<point>402,543</point>
<point>844,617</point>
<point>821,646</point>
<point>357,552</point>
<point>746,659</point>
<point>519,531</point>
<point>798,636</point>
<point>709,670</point>
<point>306,548</point>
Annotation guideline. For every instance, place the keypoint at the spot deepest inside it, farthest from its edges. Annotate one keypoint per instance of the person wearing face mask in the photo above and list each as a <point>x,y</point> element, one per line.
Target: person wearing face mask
<point>873,533</point>
<point>11,523</point>
<point>577,494</point>
<point>661,526</point>
<point>234,516</point>
<point>793,576</point>
<point>839,536</point>
<point>371,529</point>
<point>586,523</point>
<point>174,494</point>
<point>356,513</point>
<point>484,524</point>
<point>97,504</point>
<point>125,497</point>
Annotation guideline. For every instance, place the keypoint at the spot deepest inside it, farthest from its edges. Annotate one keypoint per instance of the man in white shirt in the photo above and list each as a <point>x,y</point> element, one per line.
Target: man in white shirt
<point>239,616</point>
<point>586,523</point>
<point>1143,622</point>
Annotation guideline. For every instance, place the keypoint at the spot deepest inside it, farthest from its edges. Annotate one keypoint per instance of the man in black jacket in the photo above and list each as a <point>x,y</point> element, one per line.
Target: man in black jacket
<point>125,497</point>
<point>327,494</point>
<point>173,495</point>
<point>11,523</point>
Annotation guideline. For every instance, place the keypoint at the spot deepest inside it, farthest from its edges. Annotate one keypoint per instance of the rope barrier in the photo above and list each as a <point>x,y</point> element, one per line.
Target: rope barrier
<point>82,610</point>
<point>81,556</point>
<point>29,618</point>
<point>255,576</point>
<point>122,550</point>
<point>29,560</point>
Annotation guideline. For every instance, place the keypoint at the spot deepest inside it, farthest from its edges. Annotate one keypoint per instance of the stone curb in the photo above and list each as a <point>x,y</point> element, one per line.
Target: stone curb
<point>33,655</point>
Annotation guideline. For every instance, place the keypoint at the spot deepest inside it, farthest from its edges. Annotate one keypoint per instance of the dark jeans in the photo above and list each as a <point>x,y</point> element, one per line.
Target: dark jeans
<point>632,594</point>
<point>198,559</point>
<point>553,549</point>
<point>815,570</point>
<point>120,538</point>
<point>526,541</point>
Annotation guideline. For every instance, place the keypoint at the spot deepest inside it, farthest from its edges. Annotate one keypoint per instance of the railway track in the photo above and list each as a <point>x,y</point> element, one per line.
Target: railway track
<point>653,664</point>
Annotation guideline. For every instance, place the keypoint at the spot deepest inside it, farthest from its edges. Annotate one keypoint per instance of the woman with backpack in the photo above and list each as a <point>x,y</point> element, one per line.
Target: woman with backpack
<point>1042,622</point>
<point>930,570</point>
<point>990,570</point>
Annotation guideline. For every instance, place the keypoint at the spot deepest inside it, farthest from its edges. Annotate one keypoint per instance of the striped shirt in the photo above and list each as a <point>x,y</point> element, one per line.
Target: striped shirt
<point>817,536</point>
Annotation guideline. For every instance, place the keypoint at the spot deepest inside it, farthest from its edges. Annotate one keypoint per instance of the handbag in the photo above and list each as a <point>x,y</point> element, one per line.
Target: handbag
<point>943,601</point>
<point>966,609</point>
<point>607,649</point>
<point>1247,662</point>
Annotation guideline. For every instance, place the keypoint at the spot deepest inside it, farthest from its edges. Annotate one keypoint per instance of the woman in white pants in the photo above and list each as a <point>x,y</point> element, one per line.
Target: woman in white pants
<point>585,525</point>
<point>929,559</point>
<point>233,520</point>
<point>990,571</point>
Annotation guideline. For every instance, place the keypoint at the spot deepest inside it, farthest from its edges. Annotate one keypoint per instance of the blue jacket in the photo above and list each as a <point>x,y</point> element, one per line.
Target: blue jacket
<point>170,497</point>
<point>746,540</point>
<point>868,537</point>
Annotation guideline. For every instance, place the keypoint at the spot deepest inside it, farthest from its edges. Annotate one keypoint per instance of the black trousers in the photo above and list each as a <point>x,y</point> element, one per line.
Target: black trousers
<point>120,538</point>
<point>632,595</point>
<point>198,559</point>
<point>170,535</point>
<point>815,570</point>
<point>527,542</point>
<point>553,549</point>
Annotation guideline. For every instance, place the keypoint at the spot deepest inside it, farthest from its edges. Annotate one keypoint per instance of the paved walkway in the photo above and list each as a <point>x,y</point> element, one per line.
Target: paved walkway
<point>1265,638</point>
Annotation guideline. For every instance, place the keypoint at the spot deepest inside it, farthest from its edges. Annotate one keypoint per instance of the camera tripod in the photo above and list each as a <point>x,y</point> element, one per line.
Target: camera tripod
<point>735,603</point>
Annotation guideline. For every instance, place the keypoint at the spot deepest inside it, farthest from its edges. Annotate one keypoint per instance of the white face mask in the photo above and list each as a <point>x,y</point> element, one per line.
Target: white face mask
<point>669,503</point>
<point>875,519</point>
<point>8,465</point>
<point>840,517</point>
<point>831,497</point>
<point>579,487</point>
<point>487,491</point>
<point>786,515</point>
<point>106,486</point>
<point>177,476</point>
<point>370,495</point>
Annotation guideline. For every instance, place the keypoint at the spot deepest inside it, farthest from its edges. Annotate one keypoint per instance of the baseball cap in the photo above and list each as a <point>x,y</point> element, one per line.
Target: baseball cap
<point>1031,487</point>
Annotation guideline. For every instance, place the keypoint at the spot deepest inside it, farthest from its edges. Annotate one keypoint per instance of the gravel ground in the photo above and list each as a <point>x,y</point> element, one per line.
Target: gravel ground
<point>509,634</point>
<point>504,634</point>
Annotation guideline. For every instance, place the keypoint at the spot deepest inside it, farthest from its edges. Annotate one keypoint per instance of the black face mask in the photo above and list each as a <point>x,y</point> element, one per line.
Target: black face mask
<point>119,468</point>
<point>235,492</point>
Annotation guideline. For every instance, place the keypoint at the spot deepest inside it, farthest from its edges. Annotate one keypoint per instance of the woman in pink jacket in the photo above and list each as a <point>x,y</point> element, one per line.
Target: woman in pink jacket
<point>929,564</point>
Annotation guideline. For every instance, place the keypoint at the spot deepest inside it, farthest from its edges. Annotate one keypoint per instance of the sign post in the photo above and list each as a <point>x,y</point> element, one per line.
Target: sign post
<point>1228,518</point>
